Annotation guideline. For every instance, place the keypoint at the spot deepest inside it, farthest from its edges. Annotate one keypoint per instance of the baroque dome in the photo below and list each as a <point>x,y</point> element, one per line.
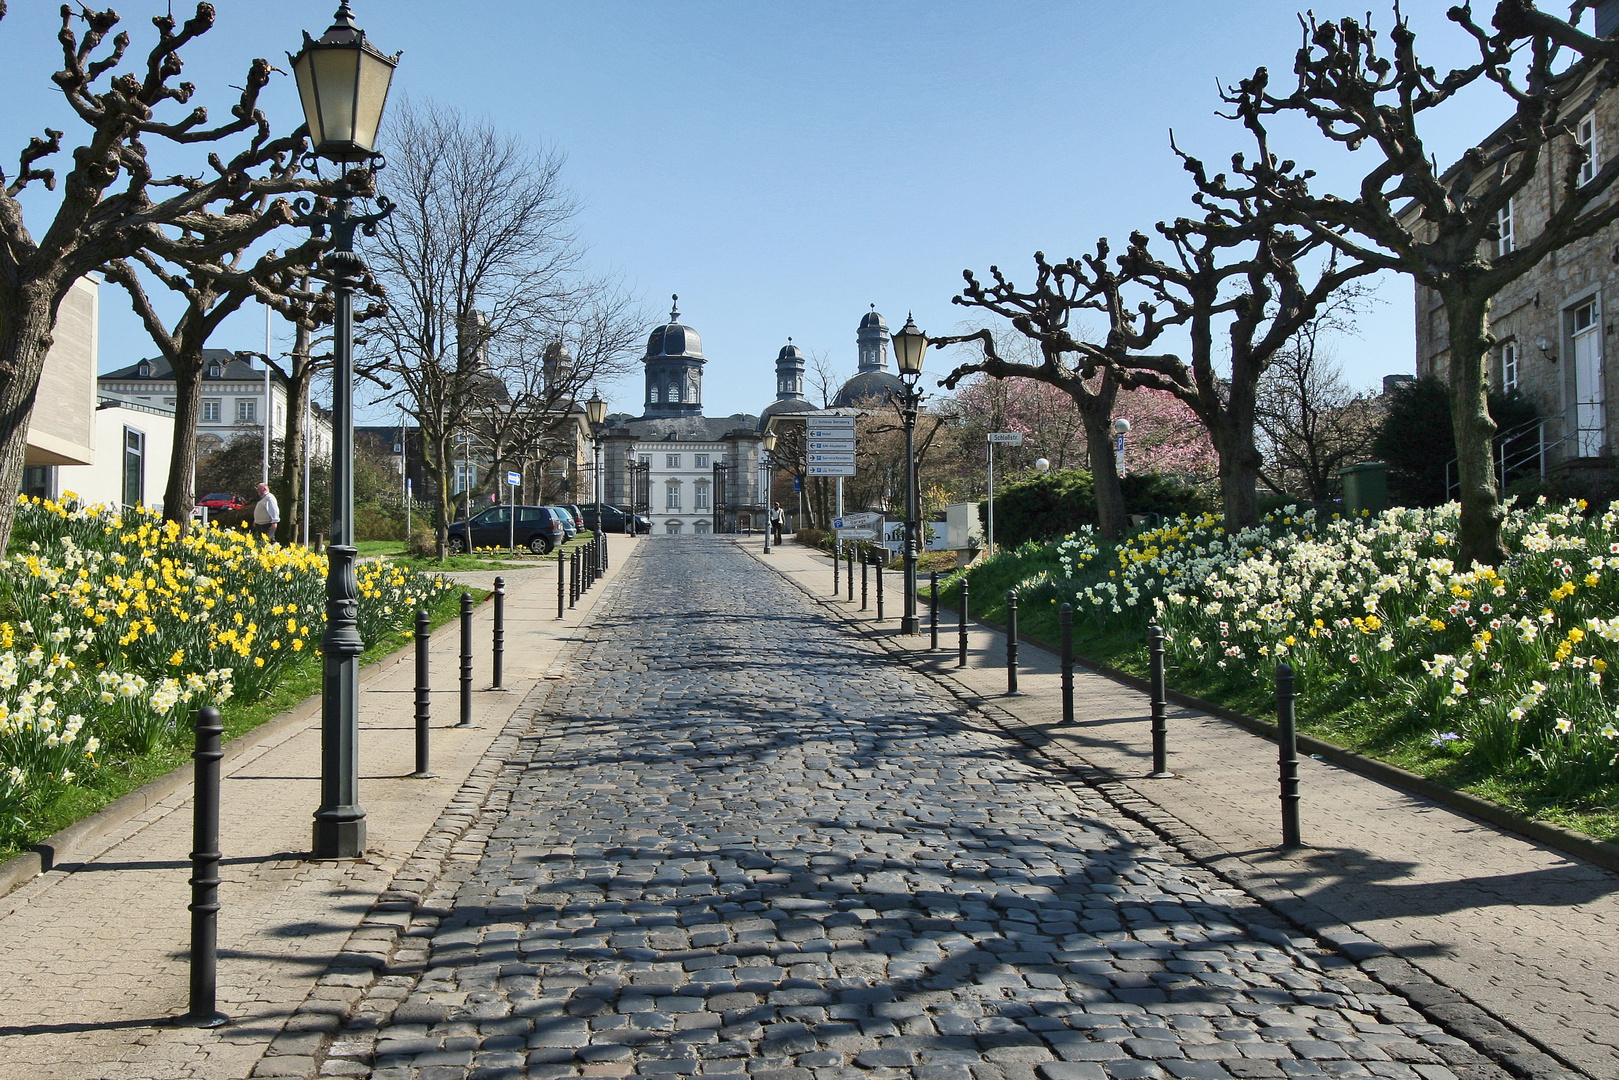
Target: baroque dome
<point>674,339</point>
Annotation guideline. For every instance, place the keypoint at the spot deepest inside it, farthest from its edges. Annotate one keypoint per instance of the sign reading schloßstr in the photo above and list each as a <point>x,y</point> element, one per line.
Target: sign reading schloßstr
<point>1007,438</point>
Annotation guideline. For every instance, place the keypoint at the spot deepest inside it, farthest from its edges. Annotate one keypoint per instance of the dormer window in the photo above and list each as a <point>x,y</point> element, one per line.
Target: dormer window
<point>144,371</point>
<point>215,371</point>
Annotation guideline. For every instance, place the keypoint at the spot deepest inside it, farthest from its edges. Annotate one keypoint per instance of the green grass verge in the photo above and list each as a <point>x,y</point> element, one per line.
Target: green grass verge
<point>491,560</point>
<point>1386,729</point>
<point>119,778</point>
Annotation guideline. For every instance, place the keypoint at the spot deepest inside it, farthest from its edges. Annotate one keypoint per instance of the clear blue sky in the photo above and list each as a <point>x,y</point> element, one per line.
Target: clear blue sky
<point>781,166</point>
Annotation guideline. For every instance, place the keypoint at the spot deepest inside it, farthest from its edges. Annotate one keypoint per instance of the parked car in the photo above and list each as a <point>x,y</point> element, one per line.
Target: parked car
<point>221,500</point>
<point>616,520</point>
<point>538,528</point>
<point>569,522</point>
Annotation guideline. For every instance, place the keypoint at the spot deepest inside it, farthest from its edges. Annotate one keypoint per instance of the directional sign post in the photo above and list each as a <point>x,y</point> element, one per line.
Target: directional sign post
<point>1004,438</point>
<point>857,534</point>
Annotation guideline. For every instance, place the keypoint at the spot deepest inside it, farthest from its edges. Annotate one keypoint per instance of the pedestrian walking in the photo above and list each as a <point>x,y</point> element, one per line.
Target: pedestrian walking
<point>266,513</point>
<point>778,519</point>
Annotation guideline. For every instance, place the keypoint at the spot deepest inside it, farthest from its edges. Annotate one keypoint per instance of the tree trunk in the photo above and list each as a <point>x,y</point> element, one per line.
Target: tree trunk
<point>1240,459</point>
<point>179,495</point>
<point>26,323</point>
<point>1096,413</point>
<point>1482,512</point>
<point>294,444</point>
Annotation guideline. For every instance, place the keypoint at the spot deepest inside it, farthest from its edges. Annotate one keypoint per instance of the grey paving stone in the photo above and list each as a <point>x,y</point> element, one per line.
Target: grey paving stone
<point>739,841</point>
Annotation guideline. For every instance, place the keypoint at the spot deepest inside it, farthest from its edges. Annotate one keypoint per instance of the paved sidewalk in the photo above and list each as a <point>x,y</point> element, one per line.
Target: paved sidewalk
<point>1474,918</point>
<point>95,951</point>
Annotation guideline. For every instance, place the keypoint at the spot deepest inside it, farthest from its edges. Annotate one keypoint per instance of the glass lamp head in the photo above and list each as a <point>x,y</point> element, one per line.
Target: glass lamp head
<point>770,442</point>
<point>596,408</point>
<point>343,83</point>
<point>909,345</point>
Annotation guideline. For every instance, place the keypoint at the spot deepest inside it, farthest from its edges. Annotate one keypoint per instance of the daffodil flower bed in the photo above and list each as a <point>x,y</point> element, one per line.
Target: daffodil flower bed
<point>123,627</point>
<point>1499,678</point>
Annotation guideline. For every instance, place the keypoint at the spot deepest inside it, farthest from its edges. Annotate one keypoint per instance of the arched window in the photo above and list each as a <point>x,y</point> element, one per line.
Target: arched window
<point>674,389</point>
<point>672,495</point>
<point>700,526</point>
<point>673,528</point>
<point>655,394</point>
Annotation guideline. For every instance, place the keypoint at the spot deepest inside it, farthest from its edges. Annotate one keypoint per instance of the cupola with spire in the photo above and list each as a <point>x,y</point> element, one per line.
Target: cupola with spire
<point>674,368</point>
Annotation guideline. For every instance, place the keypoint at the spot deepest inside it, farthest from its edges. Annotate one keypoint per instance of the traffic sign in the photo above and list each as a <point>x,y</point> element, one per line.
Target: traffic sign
<point>514,478</point>
<point>832,459</point>
<point>845,446</point>
<point>831,470</point>
<point>856,521</point>
<point>819,432</point>
<point>1008,438</point>
<point>857,534</point>
<point>832,421</point>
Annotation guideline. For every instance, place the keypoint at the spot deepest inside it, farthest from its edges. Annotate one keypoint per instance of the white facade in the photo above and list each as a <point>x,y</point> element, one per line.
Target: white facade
<point>133,445</point>
<point>681,484</point>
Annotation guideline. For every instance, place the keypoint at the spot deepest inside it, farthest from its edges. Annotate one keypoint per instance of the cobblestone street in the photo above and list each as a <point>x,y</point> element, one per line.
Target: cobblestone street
<point>741,841</point>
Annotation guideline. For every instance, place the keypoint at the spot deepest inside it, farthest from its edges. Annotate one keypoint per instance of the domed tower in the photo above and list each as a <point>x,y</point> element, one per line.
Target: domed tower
<point>789,384</point>
<point>557,367</point>
<point>873,380</point>
<point>674,369</point>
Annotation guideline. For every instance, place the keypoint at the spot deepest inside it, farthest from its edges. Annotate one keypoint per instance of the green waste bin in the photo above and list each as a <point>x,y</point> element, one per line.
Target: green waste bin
<point>1366,487</point>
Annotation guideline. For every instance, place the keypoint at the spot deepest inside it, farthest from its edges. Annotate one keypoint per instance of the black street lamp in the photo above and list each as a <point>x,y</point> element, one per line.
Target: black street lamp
<point>765,462</point>
<point>640,481</point>
<point>909,345</point>
<point>595,413</point>
<point>343,83</point>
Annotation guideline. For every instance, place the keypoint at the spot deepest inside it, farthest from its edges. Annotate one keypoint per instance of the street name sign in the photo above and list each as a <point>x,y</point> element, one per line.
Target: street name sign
<point>857,534</point>
<point>1007,438</point>
<point>856,521</point>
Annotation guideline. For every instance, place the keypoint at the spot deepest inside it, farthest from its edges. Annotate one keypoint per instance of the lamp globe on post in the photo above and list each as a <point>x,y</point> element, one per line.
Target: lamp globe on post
<point>343,83</point>
<point>595,413</point>
<point>1121,427</point>
<point>1042,466</point>
<point>767,463</point>
<point>910,344</point>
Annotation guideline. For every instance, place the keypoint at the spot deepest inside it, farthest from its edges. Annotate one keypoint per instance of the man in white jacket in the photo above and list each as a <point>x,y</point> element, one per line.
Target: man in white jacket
<point>266,513</point>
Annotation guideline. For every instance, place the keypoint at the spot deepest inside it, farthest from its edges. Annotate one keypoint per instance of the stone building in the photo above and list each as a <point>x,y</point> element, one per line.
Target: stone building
<point>1553,324</point>
<point>688,472</point>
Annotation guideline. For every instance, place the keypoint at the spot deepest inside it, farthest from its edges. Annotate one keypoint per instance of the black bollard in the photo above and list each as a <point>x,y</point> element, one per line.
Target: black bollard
<point>466,661</point>
<point>562,567</point>
<point>933,610</point>
<point>850,575</point>
<point>422,711</point>
<point>1065,619</point>
<point>573,577</point>
<point>205,871</point>
<point>836,583</point>
<point>877,571</point>
<point>865,573</point>
<point>1011,641</point>
<point>961,625</point>
<point>1287,756</point>
<point>500,631</point>
<point>1160,731</point>
<point>604,554</point>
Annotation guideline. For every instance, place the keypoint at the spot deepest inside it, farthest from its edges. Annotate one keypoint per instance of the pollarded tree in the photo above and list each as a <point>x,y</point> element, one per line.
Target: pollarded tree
<point>1442,227</point>
<point>1045,315</point>
<point>212,290</point>
<point>112,206</point>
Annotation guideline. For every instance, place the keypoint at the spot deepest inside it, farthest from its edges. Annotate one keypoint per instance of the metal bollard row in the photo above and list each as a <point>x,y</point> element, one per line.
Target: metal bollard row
<point>423,633</point>
<point>1011,641</point>
<point>933,610</point>
<point>466,661</point>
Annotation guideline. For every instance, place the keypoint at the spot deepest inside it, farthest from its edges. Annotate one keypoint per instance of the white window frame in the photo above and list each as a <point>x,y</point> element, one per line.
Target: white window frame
<point>671,461</point>
<point>699,497</point>
<point>211,410</point>
<point>702,461</point>
<point>1586,135</point>
<point>671,495</point>
<point>1509,367</point>
<point>1505,223</point>
<point>247,410</point>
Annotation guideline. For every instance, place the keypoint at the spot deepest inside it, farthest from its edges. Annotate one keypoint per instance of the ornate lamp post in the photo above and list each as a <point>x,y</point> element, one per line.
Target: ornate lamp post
<point>595,413</point>
<point>767,464</point>
<point>343,83</point>
<point>909,345</point>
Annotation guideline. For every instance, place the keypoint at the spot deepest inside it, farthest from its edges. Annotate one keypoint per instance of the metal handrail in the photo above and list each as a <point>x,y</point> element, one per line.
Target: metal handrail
<point>1506,461</point>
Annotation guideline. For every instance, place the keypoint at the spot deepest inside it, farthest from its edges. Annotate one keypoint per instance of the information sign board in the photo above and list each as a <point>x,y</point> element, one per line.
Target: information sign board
<point>856,521</point>
<point>857,534</point>
<point>1007,438</point>
<point>840,458</point>
<point>831,470</point>
<point>514,478</point>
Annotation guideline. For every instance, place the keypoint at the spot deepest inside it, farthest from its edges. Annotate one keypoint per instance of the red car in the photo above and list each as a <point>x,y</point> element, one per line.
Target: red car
<point>221,500</point>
